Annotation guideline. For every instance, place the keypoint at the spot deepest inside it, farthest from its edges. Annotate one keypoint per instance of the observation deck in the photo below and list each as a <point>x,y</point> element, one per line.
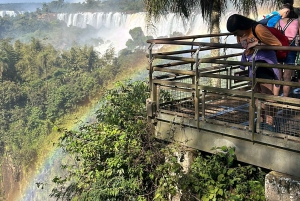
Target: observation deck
<point>204,101</point>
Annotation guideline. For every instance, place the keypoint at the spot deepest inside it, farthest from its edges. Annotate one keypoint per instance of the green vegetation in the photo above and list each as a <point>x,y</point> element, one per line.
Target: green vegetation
<point>139,40</point>
<point>26,26</point>
<point>118,158</point>
<point>40,84</point>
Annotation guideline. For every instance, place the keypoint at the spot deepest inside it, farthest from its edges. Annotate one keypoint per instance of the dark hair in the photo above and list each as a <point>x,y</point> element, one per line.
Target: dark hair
<point>292,14</point>
<point>287,5</point>
<point>288,1</point>
<point>240,22</point>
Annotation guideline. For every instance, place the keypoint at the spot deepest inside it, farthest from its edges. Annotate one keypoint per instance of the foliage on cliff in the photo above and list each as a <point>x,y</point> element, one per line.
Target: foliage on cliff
<point>40,84</point>
<point>118,158</point>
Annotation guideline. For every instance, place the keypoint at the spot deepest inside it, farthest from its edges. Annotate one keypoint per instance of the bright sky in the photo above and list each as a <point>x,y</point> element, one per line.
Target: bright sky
<point>37,1</point>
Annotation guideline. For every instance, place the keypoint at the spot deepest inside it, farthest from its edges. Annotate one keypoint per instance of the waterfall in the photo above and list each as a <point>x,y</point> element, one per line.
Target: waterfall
<point>10,13</point>
<point>114,27</point>
<point>163,27</point>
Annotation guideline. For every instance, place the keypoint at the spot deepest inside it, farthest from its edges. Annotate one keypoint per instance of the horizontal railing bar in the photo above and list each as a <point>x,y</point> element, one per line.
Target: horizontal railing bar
<point>192,86</point>
<point>185,51</point>
<point>210,60</point>
<point>226,77</point>
<point>178,89</point>
<point>269,81</point>
<point>240,86</point>
<point>190,60</point>
<point>223,45</point>
<point>176,101</point>
<point>227,56</point>
<point>164,76</point>
<point>273,47</point>
<point>258,64</point>
<point>176,113</point>
<point>181,77</point>
<point>277,98</point>
<point>182,72</point>
<point>226,91</point>
<point>190,37</point>
<point>173,76</point>
<point>173,83</point>
<point>187,43</point>
<point>203,60</point>
<point>171,64</point>
<point>284,106</point>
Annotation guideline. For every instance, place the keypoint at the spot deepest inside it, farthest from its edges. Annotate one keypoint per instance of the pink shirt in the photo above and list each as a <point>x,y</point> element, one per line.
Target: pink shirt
<point>292,29</point>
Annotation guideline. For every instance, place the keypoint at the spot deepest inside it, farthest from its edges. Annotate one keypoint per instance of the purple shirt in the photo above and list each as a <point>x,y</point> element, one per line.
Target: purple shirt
<point>266,55</point>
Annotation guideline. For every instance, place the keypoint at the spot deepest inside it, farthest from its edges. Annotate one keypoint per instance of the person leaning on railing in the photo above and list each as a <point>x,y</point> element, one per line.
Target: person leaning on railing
<point>291,31</point>
<point>241,27</point>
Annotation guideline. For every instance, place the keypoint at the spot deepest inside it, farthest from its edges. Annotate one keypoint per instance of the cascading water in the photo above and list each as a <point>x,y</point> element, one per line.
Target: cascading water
<point>10,13</point>
<point>114,27</point>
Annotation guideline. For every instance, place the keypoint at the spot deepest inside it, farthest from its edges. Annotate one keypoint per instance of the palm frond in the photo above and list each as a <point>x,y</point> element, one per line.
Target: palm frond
<point>184,8</point>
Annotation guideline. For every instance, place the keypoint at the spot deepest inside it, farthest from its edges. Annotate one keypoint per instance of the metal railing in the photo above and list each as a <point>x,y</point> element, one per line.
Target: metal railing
<point>214,94</point>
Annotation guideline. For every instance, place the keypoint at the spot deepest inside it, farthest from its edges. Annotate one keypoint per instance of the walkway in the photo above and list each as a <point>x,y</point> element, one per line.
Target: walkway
<point>204,102</point>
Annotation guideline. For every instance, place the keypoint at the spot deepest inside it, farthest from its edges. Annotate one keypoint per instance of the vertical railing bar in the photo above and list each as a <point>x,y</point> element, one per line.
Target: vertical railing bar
<point>151,69</point>
<point>258,116</point>
<point>252,109</point>
<point>230,73</point>
<point>157,94</point>
<point>203,105</point>
<point>227,80</point>
<point>197,63</point>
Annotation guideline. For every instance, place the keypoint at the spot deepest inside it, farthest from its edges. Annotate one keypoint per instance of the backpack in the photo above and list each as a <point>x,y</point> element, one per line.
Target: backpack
<point>280,54</point>
<point>265,20</point>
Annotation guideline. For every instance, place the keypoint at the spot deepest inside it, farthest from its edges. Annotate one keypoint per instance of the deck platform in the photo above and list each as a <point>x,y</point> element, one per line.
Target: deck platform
<point>207,101</point>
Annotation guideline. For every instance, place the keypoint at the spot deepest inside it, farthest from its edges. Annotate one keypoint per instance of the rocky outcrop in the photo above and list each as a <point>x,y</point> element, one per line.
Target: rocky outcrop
<point>11,177</point>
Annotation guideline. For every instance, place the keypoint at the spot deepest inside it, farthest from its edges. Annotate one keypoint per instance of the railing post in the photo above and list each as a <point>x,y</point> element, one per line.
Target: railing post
<point>197,94</point>
<point>151,69</point>
<point>227,80</point>
<point>252,108</point>
<point>203,105</point>
<point>151,103</point>
<point>258,116</point>
<point>230,73</point>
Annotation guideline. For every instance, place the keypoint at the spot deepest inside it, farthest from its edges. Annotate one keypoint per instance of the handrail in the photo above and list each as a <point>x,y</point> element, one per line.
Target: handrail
<point>217,101</point>
<point>189,37</point>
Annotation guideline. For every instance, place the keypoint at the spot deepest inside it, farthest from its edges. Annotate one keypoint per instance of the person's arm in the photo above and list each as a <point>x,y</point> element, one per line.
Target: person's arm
<point>266,36</point>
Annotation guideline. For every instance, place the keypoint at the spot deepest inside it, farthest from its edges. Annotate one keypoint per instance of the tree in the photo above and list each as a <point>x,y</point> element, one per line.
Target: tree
<point>138,38</point>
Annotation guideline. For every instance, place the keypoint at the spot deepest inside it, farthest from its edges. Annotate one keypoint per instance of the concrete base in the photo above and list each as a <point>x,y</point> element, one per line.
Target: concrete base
<point>282,187</point>
<point>185,159</point>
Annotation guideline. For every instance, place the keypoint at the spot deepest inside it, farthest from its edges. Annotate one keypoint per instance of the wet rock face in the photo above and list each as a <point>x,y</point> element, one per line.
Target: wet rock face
<point>11,176</point>
<point>280,186</point>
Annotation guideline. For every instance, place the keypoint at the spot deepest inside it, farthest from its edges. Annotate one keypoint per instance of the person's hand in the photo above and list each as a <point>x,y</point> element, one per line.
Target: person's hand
<point>252,44</point>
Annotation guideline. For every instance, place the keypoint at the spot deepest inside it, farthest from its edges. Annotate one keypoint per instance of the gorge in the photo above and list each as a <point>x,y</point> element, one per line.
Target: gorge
<point>114,29</point>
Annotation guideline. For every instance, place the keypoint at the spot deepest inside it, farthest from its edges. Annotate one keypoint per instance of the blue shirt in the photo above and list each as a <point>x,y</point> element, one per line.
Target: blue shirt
<point>272,22</point>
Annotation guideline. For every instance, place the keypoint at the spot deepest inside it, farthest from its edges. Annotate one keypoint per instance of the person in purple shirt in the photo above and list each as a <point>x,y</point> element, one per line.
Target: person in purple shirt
<point>242,27</point>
